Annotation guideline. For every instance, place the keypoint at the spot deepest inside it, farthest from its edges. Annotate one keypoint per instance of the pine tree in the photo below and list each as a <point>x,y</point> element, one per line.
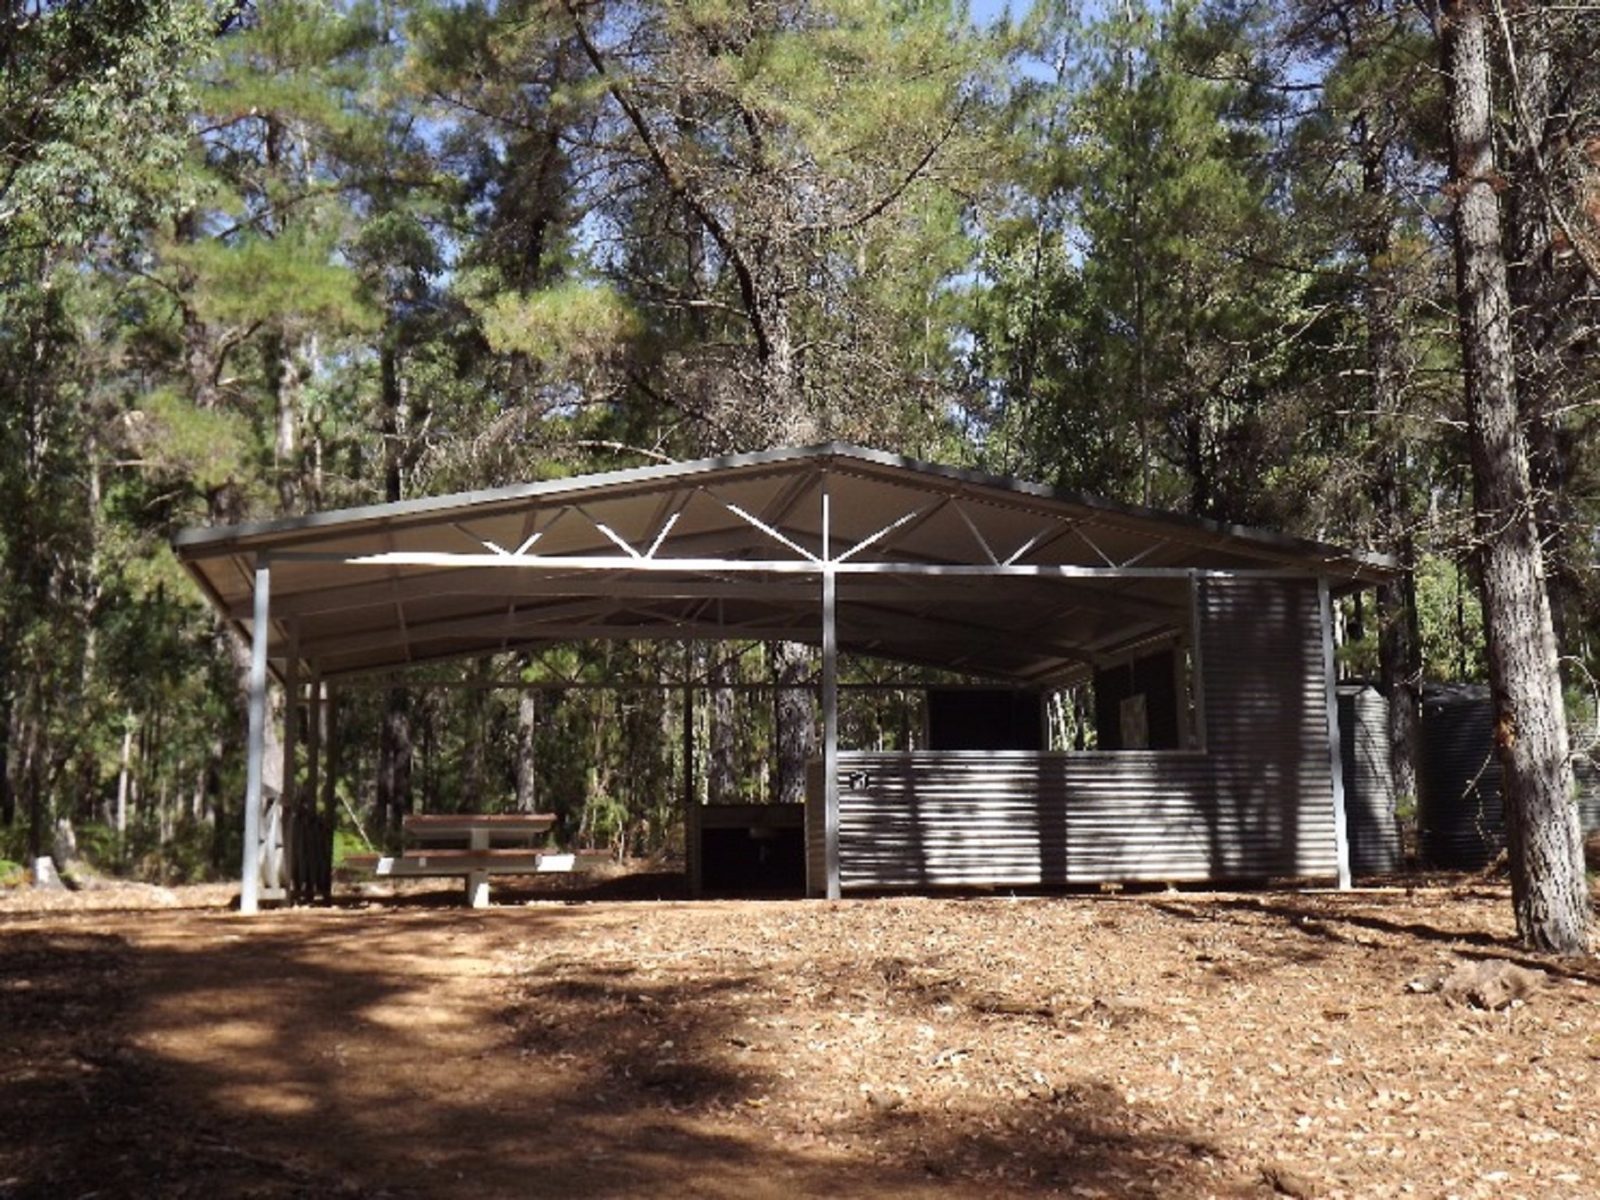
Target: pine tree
<point>1549,891</point>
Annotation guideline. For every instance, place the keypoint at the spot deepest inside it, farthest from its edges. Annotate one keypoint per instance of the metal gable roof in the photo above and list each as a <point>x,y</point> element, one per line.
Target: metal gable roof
<point>934,564</point>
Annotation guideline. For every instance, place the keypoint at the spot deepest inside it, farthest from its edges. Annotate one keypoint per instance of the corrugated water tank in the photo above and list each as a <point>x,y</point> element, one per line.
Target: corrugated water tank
<point>1461,779</point>
<point>1586,773</point>
<point>1461,820</point>
<point>1370,822</point>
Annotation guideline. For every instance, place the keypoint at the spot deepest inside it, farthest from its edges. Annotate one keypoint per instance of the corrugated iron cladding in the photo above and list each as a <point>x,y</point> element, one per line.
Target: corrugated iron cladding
<point>1368,781</point>
<point>1461,812</point>
<point>1258,802</point>
<point>1586,775</point>
<point>1461,818</point>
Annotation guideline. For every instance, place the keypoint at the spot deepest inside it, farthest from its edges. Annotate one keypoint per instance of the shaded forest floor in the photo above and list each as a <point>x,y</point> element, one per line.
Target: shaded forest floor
<point>1160,1045</point>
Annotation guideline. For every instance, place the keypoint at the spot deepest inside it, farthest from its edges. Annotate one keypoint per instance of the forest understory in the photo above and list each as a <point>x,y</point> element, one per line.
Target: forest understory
<point>621,1041</point>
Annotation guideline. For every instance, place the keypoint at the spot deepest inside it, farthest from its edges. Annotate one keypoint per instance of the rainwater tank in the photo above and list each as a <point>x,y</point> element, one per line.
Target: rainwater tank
<point>1462,823</point>
<point>1368,781</point>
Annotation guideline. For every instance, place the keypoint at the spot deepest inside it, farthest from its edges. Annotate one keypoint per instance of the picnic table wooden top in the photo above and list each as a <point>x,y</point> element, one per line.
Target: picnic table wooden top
<point>486,857</point>
<point>467,822</point>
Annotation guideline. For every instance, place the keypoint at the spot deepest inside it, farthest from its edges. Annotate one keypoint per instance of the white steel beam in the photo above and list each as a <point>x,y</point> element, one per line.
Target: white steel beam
<point>830,708</point>
<point>250,872</point>
<point>770,530</point>
<point>783,566</point>
<point>874,538</point>
<point>1341,834</point>
<point>983,542</point>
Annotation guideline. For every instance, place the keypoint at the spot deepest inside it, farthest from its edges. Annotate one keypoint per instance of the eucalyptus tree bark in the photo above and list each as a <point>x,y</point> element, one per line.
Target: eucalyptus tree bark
<point>331,768</point>
<point>394,762</point>
<point>295,362</point>
<point>474,772</point>
<point>225,506</point>
<point>527,751</point>
<point>395,745</point>
<point>721,777</point>
<point>1549,892</point>
<point>8,795</point>
<point>795,720</point>
<point>1546,290</point>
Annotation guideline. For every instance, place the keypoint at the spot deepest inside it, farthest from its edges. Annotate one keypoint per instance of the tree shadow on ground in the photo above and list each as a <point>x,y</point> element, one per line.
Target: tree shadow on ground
<point>1337,920</point>
<point>364,1055</point>
<point>508,890</point>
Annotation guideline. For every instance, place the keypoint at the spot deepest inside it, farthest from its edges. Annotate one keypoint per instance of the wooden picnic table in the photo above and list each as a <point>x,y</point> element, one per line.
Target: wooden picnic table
<point>475,846</point>
<point>481,831</point>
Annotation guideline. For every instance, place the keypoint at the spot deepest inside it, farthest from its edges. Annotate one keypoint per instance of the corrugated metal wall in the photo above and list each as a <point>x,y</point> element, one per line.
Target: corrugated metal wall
<point>1257,802</point>
<point>816,845</point>
<point>1266,701</point>
<point>1368,781</point>
<point>1587,771</point>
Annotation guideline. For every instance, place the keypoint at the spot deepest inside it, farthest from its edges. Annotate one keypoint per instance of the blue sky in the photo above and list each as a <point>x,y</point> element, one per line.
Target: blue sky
<point>985,11</point>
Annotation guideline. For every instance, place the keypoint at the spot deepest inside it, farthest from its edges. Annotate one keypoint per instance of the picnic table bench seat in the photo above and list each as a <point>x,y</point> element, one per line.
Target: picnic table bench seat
<point>474,846</point>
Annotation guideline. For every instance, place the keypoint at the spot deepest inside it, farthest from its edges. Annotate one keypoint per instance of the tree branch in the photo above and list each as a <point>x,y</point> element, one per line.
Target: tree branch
<point>878,206</point>
<point>676,184</point>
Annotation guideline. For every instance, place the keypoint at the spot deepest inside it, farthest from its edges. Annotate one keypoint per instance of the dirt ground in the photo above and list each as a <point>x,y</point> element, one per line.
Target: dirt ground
<point>152,1044</point>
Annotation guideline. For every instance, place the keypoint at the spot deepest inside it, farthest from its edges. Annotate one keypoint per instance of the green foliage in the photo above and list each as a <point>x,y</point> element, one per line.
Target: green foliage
<point>207,448</point>
<point>1129,329</point>
<point>562,327</point>
<point>293,276</point>
<point>13,847</point>
<point>1452,622</point>
<point>345,843</point>
<point>92,106</point>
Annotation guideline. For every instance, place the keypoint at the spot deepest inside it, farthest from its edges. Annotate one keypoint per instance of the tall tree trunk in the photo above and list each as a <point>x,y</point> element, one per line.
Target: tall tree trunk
<point>1399,647</point>
<point>796,721</point>
<point>1400,673</point>
<point>528,751</point>
<point>331,759</point>
<point>473,774</point>
<point>220,847</point>
<point>31,769</point>
<point>393,420</point>
<point>1549,892</point>
<point>8,794</point>
<point>296,357</point>
<point>721,770</point>
<point>1537,304</point>
<point>788,422</point>
<point>395,744</point>
<point>124,787</point>
<point>394,762</point>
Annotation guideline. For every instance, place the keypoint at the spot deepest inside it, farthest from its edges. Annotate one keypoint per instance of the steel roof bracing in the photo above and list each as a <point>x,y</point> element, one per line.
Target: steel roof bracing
<point>932,565</point>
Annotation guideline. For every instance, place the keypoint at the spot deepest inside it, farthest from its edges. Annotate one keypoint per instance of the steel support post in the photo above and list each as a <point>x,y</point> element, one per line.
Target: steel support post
<point>250,874</point>
<point>313,739</point>
<point>1341,833</point>
<point>691,800</point>
<point>830,709</point>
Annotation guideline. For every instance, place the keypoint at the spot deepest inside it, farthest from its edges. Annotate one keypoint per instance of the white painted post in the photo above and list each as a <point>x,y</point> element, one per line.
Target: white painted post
<point>291,723</point>
<point>280,861</point>
<point>313,739</point>
<point>250,875</point>
<point>830,709</point>
<point>1341,834</point>
<point>478,881</point>
<point>691,797</point>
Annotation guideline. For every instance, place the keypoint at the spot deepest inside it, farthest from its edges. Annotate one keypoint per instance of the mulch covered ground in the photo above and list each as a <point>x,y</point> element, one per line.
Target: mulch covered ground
<point>1163,1044</point>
